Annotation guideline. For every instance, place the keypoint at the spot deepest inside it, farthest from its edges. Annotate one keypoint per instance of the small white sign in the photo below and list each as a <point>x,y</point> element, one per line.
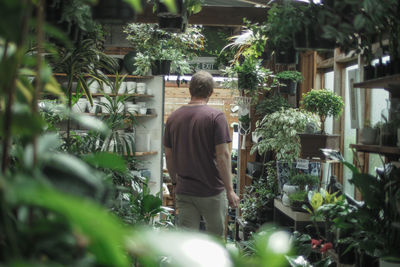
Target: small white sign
<point>302,164</point>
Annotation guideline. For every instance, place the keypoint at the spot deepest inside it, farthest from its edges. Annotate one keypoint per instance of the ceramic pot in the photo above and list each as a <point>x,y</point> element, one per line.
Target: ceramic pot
<point>141,88</point>
<point>122,88</point>
<point>369,136</point>
<point>131,87</point>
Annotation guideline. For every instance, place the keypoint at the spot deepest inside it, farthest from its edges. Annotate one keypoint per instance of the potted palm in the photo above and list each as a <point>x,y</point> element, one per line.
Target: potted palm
<point>288,80</point>
<point>323,103</point>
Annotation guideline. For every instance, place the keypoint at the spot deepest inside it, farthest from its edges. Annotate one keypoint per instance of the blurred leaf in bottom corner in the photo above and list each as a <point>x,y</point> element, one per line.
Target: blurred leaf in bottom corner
<point>105,234</point>
<point>106,160</point>
<point>24,122</point>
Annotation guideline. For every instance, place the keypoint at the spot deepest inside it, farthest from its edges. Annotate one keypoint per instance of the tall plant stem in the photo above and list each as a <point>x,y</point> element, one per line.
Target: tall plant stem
<point>5,219</point>
<point>10,88</point>
<point>38,84</point>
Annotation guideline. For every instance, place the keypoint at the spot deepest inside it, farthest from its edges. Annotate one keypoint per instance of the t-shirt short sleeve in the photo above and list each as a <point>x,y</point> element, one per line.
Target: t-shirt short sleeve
<point>167,136</point>
<point>221,130</point>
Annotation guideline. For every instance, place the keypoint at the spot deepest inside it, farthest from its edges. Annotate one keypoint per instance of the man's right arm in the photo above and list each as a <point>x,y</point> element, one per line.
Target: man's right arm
<point>225,171</point>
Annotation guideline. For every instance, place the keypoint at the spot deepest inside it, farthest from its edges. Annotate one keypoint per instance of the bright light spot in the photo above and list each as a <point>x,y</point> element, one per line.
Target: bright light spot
<point>279,242</point>
<point>205,253</point>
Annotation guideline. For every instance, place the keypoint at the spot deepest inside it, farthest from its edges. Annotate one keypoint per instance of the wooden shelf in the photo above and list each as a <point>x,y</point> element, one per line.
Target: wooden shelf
<point>135,115</point>
<point>108,75</point>
<point>127,95</point>
<point>142,154</point>
<point>294,215</point>
<point>384,150</point>
<point>383,82</point>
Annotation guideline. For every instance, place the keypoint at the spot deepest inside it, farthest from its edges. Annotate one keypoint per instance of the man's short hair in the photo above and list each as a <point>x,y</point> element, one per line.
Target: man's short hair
<point>201,84</point>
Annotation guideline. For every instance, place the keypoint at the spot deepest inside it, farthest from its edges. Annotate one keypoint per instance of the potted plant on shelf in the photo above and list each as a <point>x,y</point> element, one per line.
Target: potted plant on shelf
<point>369,135</point>
<point>279,133</point>
<point>323,103</point>
<point>160,48</point>
<point>288,80</point>
<point>174,17</point>
<point>252,78</point>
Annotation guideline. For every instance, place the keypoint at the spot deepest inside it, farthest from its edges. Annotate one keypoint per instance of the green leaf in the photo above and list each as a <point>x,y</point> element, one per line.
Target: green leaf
<point>106,160</point>
<point>136,5</point>
<point>105,233</point>
<point>91,123</point>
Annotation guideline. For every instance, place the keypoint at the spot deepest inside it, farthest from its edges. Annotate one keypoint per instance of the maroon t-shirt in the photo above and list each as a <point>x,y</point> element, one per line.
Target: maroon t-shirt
<point>192,132</point>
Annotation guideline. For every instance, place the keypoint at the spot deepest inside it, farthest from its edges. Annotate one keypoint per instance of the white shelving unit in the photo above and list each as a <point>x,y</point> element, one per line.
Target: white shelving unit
<point>150,129</point>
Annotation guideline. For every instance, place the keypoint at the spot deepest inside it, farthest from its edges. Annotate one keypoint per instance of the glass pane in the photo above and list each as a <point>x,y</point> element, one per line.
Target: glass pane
<point>350,134</point>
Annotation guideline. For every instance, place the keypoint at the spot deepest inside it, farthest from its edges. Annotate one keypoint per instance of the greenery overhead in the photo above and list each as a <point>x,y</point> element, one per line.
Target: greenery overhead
<point>324,103</point>
<point>152,43</point>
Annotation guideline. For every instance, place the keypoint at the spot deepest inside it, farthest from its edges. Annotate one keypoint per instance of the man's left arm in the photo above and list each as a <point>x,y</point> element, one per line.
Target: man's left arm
<point>170,164</point>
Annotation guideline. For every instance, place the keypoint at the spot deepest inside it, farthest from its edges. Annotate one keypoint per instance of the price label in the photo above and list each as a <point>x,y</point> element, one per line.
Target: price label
<point>302,164</point>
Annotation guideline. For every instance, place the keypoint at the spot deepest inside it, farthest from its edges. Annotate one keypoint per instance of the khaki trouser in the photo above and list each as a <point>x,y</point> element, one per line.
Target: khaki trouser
<point>213,209</point>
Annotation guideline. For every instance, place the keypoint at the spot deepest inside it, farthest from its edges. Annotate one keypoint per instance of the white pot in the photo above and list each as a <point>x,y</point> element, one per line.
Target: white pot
<point>286,200</point>
<point>120,107</point>
<point>93,109</point>
<point>122,88</point>
<point>131,87</point>
<point>141,88</point>
<point>141,104</point>
<point>133,108</point>
<point>107,89</point>
<point>94,86</point>
<point>80,106</point>
<point>103,108</point>
<point>290,189</point>
<point>143,111</point>
<point>149,91</point>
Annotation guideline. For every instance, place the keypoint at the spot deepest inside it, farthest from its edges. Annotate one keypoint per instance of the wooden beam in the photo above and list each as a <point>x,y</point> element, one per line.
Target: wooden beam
<point>214,15</point>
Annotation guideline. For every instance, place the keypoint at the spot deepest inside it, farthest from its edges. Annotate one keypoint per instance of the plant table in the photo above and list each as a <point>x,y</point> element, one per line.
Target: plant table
<point>297,220</point>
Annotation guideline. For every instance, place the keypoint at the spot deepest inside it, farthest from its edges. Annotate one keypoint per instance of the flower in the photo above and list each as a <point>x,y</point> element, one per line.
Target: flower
<point>326,247</point>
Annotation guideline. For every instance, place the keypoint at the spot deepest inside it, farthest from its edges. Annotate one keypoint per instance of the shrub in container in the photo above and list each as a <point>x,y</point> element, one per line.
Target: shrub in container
<point>323,103</point>
<point>288,80</point>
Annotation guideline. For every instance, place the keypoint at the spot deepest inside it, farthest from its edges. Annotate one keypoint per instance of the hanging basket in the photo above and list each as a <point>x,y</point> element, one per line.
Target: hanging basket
<point>290,87</point>
<point>113,11</point>
<point>163,11</point>
<point>160,67</point>
<point>177,24</point>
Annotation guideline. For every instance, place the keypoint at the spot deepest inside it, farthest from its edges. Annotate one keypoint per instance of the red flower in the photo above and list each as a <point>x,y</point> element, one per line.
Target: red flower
<point>315,243</point>
<point>326,247</point>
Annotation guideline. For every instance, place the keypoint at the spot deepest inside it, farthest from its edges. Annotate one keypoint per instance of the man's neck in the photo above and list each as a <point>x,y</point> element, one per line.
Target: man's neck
<point>198,101</point>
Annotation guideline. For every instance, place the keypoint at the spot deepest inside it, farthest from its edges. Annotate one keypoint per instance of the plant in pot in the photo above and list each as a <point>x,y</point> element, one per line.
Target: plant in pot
<point>323,103</point>
<point>303,183</point>
<point>369,135</point>
<point>159,47</point>
<point>288,80</point>
<point>279,133</point>
<point>378,217</point>
<point>258,200</point>
<point>252,78</point>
